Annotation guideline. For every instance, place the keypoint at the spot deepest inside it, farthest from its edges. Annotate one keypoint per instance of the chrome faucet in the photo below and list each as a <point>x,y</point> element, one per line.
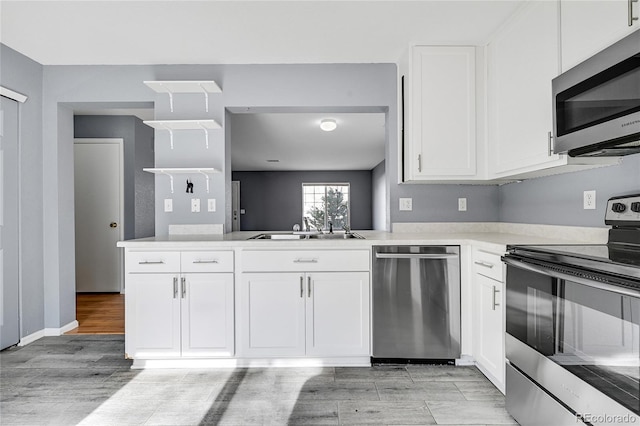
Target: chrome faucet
<point>306,225</point>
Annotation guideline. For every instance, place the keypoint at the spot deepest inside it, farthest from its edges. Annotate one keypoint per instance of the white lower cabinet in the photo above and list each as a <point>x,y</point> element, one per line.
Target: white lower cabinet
<point>320,314</point>
<point>488,315</point>
<point>173,315</point>
<point>179,305</point>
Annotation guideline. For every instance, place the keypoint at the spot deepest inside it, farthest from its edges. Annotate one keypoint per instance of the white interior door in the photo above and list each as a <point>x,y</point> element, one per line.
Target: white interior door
<point>9,279</point>
<point>98,214</point>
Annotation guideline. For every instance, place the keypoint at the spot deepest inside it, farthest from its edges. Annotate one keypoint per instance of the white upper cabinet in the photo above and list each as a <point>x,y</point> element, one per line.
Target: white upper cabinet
<point>589,26</point>
<point>441,136</point>
<point>522,61</point>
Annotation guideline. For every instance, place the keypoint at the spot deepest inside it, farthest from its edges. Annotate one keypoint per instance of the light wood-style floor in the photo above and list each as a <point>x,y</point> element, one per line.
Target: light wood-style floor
<point>99,313</point>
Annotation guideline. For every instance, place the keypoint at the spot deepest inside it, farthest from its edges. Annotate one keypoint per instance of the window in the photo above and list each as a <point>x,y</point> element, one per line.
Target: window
<point>326,202</point>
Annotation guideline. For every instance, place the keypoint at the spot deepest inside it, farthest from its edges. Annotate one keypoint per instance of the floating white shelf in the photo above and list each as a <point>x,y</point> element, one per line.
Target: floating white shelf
<point>170,87</point>
<point>171,125</point>
<point>182,171</point>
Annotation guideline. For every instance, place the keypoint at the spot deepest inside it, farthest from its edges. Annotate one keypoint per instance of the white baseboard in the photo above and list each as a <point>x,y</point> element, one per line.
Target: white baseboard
<point>48,332</point>
<point>251,362</point>
<point>31,338</point>
<point>60,331</point>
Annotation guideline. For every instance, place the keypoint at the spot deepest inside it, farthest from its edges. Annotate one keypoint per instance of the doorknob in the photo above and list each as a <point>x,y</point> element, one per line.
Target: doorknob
<point>113,225</point>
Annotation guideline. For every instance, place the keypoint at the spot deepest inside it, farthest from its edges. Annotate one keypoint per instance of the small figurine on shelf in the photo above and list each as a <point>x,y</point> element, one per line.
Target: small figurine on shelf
<point>189,186</point>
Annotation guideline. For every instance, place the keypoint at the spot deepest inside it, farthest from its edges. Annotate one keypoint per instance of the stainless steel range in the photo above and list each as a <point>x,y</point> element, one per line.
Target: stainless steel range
<point>573,327</point>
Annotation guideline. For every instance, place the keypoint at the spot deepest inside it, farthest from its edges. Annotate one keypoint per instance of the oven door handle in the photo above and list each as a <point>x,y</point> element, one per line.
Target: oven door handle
<point>564,276</point>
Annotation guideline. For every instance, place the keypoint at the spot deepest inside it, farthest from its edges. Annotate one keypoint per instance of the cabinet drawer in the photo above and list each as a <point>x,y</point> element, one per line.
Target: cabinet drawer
<point>488,264</point>
<point>153,261</point>
<point>207,261</point>
<point>305,260</point>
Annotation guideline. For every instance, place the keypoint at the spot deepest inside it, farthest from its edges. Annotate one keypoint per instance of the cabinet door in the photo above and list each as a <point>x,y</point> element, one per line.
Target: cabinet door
<point>337,314</point>
<point>442,140</point>
<point>273,314</point>
<point>523,58</point>
<point>489,347</point>
<point>153,316</point>
<point>589,26</point>
<point>207,315</point>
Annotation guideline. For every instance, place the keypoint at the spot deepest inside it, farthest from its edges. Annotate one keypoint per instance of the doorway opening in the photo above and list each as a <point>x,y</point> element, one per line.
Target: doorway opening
<point>114,201</point>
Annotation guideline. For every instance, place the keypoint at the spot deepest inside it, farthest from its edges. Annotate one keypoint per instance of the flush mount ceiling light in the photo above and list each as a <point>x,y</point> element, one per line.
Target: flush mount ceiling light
<point>328,124</point>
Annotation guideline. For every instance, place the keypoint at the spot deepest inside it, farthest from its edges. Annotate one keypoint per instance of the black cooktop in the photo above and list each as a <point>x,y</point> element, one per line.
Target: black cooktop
<point>609,253</point>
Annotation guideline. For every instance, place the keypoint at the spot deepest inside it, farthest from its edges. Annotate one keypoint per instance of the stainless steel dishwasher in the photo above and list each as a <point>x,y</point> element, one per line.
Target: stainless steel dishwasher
<point>416,303</point>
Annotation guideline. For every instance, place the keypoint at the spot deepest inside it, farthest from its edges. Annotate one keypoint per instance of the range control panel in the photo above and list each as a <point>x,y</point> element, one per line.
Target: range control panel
<point>623,211</point>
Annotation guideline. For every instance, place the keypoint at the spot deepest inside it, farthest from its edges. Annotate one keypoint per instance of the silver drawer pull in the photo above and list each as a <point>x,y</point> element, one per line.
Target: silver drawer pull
<point>485,264</point>
<point>206,261</point>
<point>313,260</point>
<point>151,262</point>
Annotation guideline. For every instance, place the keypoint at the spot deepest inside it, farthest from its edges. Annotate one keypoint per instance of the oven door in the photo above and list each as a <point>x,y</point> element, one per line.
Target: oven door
<point>576,338</point>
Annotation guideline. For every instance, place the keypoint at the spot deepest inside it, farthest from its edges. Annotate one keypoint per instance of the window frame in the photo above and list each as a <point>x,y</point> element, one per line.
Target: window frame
<point>327,184</point>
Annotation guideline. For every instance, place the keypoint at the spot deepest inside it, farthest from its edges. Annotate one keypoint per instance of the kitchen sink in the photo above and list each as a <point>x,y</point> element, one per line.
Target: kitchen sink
<point>305,236</point>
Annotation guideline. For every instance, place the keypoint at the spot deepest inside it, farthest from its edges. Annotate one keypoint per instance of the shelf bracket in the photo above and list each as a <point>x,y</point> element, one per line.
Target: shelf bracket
<point>170,93</point>
<point>206,97</point>
<point>170,136</point>
<point>170,179</point>
<point>206,134</point>
<point>206,176</point>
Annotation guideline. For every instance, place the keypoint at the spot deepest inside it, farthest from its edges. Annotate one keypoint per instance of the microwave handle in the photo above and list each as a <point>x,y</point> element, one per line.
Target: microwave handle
<point>630,12</point>
<point>555,273</point>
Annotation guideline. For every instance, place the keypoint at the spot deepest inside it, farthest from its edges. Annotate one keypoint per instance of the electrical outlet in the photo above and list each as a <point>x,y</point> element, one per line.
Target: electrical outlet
<point>406,204</point>
<point>195,205</point>
<point>211,205</point>
<point>589,200</point>
<point>462,204</point>
<point>168,205</point>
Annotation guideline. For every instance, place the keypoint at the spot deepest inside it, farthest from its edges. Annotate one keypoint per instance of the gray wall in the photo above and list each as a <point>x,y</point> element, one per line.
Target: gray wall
<point>557,200</point>
<point>21,74</point>
<point>273,200</point>
<point>439,203</point>
<point>379,197</point>
<point>139,188</point>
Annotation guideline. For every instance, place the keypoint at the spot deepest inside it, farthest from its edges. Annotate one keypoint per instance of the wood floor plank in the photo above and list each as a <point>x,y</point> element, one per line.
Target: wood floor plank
<point>99,313</point>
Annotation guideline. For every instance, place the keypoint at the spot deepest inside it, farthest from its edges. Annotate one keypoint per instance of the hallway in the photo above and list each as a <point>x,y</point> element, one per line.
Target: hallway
<point>99,313</point>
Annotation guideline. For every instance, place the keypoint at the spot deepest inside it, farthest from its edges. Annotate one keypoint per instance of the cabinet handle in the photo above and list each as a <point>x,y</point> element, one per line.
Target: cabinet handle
<point>630,12</point>
<point>485,264</point>
<point>495,290</point>
<point>184,286</point>
<point>175,287</point>
<point>550,143</point>
<point>206,261</point>
<point>301,286</point>
<point>305,260</point>
<point>151,262</point>
<point>419,162</point>
<point>308,286</point>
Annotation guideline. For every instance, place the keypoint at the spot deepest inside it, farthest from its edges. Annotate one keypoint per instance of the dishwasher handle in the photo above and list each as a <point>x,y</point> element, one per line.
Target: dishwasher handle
<point>417,256</point>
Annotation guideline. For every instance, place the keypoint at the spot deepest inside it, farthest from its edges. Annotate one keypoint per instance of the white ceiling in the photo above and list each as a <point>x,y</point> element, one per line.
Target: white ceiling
<point>83,32</point>
<point>110,32</point>
<point>295,139</point>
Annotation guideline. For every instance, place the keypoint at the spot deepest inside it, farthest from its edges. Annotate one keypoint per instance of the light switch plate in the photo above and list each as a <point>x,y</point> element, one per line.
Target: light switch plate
<point>589,200</point>
<point>195,205</point>
<point>168,205</point>
<point>462,204</point>
<point>211,205</point>
<point>406,204</point>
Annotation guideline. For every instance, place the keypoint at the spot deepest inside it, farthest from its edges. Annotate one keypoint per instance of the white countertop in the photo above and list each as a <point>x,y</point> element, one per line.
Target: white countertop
<point>489,240</point>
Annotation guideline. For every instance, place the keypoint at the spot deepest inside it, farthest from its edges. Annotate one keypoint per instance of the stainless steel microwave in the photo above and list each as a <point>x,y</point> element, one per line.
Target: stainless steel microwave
<point>596,104</point>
